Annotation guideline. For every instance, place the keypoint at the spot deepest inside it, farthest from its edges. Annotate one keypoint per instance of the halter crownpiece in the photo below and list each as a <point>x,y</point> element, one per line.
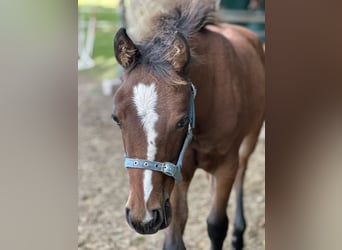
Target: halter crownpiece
<point>169,168</point>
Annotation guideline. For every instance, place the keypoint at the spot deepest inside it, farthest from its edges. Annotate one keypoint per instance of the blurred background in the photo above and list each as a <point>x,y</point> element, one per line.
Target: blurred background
<point>100,19</point>
<point>103,181</point>
<point>38,163</point>
<point>98,22</point>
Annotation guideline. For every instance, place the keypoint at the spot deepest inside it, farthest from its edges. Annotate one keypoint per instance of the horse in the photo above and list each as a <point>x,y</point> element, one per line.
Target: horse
<point>192,96</point>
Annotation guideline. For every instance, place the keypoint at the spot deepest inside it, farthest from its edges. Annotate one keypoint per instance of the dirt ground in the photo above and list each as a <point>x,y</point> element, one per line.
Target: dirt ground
<point>103,187</point>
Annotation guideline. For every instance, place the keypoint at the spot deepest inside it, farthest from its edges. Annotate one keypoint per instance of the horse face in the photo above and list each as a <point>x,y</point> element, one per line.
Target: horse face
<point>153,116</point>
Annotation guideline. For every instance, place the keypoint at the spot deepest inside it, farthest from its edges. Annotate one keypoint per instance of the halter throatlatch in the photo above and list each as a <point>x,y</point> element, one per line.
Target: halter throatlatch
<point>169,168</point>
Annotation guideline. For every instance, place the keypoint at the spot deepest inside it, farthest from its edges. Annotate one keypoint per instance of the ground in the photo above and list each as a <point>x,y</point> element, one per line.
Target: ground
<point>103,186</point>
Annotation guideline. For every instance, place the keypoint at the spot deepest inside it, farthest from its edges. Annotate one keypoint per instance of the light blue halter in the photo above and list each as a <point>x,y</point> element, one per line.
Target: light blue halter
<point>169,168</point>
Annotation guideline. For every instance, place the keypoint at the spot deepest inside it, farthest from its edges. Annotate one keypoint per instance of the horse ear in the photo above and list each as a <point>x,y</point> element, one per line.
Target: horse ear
<point>179,53</point>
<point>124,49</point>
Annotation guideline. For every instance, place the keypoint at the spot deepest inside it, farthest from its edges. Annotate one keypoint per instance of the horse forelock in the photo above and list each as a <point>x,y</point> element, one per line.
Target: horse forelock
<point>154,30</point>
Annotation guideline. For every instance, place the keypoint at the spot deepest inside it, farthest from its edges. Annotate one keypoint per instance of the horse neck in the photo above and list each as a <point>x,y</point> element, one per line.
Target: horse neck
<point>200,72</point>
<point>209,75</point>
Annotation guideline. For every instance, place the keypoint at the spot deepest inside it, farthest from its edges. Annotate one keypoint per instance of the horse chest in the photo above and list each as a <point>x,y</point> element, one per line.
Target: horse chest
<point>209,157</point>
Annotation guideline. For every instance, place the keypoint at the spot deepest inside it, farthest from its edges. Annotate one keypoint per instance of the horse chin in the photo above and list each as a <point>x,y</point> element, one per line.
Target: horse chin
<point>164,225</point>
<point>149,231</point>
<point>166,222</point>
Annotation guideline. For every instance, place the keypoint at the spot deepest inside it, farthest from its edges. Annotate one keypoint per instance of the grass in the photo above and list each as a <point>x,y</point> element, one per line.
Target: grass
<point>107,14</point>
<point>99,3</point>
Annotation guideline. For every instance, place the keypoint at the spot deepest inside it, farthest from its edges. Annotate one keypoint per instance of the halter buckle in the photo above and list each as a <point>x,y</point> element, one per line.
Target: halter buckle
<point>169,169</point>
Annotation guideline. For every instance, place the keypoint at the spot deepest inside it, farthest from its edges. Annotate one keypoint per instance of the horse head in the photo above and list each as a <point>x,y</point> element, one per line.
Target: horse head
<point>155,110</point>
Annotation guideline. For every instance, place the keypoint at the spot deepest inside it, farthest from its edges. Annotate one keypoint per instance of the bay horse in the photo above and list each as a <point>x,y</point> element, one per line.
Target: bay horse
<point>192,96</point>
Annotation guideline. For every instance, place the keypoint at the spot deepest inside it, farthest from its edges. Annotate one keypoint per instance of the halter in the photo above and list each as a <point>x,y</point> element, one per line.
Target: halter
<point>169,168</point>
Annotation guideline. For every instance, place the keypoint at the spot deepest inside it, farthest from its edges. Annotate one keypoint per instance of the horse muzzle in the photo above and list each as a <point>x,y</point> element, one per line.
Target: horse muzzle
<point>161,219</point>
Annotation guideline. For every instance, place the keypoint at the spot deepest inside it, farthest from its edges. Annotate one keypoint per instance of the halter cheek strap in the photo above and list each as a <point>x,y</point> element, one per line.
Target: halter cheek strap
<point>169,168</point>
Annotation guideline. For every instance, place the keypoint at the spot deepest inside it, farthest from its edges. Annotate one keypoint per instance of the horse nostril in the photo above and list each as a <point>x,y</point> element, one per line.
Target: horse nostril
<point>127,215</point>
<point>157,217</point>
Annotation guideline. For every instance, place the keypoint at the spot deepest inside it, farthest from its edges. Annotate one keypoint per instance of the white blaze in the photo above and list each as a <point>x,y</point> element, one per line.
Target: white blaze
<point>145,99</point>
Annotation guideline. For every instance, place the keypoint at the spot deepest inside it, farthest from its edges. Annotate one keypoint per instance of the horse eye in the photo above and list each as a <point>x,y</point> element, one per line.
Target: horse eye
<point>182,122</point>
<point>116,119</point>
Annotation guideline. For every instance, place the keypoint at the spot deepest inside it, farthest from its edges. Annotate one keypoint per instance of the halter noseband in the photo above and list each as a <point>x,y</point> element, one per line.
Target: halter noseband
<point>169,168</point>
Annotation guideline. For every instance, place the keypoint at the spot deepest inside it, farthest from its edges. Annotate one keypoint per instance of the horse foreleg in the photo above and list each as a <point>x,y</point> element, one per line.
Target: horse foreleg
<point>246,149</point>
<point>217,221</point>
<point>239,221</point>
<point>174,233</point>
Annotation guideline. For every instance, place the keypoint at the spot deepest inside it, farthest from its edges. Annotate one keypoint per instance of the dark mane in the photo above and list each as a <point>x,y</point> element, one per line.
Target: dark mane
<point>185,18</point>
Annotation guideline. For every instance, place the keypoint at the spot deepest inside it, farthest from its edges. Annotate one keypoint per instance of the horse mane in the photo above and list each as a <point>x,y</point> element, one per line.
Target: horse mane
<point>160,29</point>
